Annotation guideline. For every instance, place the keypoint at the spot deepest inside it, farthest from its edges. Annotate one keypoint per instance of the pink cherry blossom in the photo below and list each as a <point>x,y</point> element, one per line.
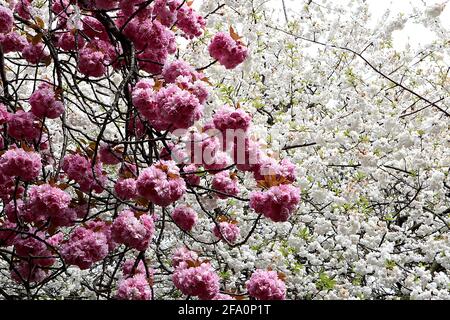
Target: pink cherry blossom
<point>229,52</point>
<point>7,233</point>
<point>108,155</point>
<point>201,281</point>
<point>278,203</point>
<point>6,20</point>
<point>106,4</point>
<point>44,102</point>
<point>134,288</point>
<point>161,183</point>
<point>94,29</point>
<point>78,168</point>
<point>20,163</point>
<point>182,255</point>
<point>4,115</point>
<point>129,268</point>
<point>229,118</point>
<point>173,70</point>
<point>22,8</point>
<point>228,231</point>
<point>24,126</point>
<point>134,232</point>
<point>221,296</point>
<point>166,11</point>
<point>85,247</point>
<point>190,22</point>
<point>35,53</point>
<point>33,246</point>
<point>24,271</point>
<point>69,41</point>
<point>226,183</point>
<point>190,175</point>
<point>185,217</point>
<point>125,189</point>
<point>265,285</point>
<point>50,202</point>
<point>12,42</point>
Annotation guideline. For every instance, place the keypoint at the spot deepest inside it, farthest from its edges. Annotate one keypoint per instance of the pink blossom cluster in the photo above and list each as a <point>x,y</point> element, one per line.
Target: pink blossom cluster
<point>44,102</point>
<point>166,11</point>
<point>205,149</point>
<point>169,108</point>
<point>24,271</point>
<point>35,53</point>
<point>226,183</point>
<point>277,203</point>
<point>71,40</point>
<point>248,155</point>
<point>23,126</point>
<point>229,52</point>
<point>190,22</point>
<point>130,268</point>
<point>136,126</point>
<point>33,245</point>
<point>12,42</point>
<point>95,57</point>
<point>19,163</point>
<point>178,108</point>
<point>231,126</point>
<point>135,285</point>
<point>284,169</point>
<point>161,183</point>
<point>35,251</point>
<point>85,247</point>
<point>7,233</point>
<point>266,285</point>
<point>221,296</point>
<point>79,169</point>
<point>129,7</point>
<point>50,203</point>
<point>190,175</point>
<point>61,7</point>
<point>6,20</point>
<point>202,148</point>
<point>8,188</point>
<point>195,86</point>
<point>22,8</point>
<point>185,217</point>
<point>106,4</point>
<point>134,288</point>
<point>109,155</point>
<point>125,189</point>
<point>230,118</point>
<point>173,152</point>
<point>104,227</point>
<point>179,68</point>
<point>62,10</point>
<point>220,161</point>
<point>16,210</point>
<point>227,230</point>
<point>193,278</point>
<point>94,29</point>
<point>182,255</point>
<point>133,230</point>
<point>154,41</point>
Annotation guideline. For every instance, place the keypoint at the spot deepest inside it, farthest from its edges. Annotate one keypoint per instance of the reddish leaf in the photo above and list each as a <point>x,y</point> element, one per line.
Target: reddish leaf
<point>234,34</point>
